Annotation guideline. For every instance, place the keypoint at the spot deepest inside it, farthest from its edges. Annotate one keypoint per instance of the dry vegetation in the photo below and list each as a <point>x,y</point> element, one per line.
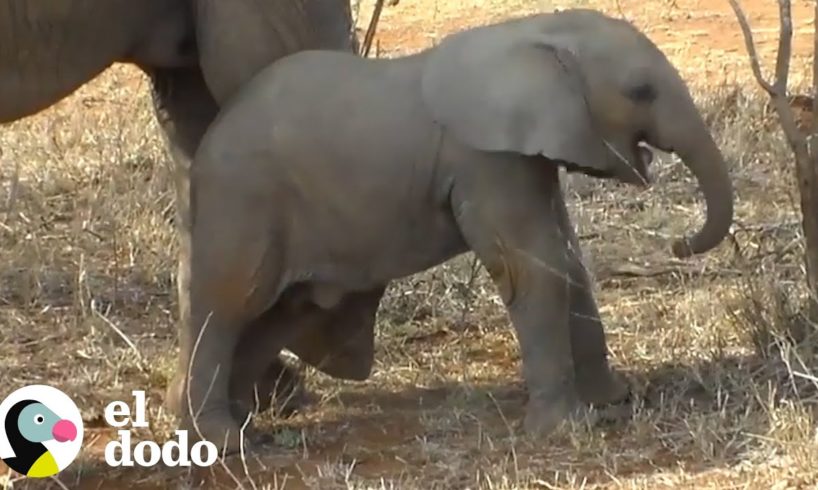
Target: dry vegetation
<point>721,363</point>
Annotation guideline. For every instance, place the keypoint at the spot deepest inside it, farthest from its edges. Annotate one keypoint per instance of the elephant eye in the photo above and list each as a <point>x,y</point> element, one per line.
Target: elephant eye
<point>39,419</point>
<point>641,93</point>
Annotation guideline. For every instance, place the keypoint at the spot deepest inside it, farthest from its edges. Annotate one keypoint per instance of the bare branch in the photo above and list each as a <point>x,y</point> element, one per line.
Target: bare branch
<point>782,70</point>
<point>782,64</point>
<point>751,48</point>
<point>778,89</point>
<point>373,26</point>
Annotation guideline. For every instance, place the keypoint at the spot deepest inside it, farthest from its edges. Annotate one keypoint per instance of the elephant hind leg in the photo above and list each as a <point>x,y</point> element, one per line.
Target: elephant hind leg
<point>339,341</point>
<point>235,275</point>
<point>260,378</point>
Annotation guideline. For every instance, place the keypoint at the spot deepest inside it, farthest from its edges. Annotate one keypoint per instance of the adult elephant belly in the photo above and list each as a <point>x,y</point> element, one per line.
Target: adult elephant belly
<point>49,49</point>
<point>238,38</point>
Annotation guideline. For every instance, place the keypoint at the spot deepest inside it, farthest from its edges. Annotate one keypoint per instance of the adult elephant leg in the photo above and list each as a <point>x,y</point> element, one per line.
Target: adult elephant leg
<point>332,24</point>
<point>184,109</point>
<point>236,39</point>
<point>596,383</point>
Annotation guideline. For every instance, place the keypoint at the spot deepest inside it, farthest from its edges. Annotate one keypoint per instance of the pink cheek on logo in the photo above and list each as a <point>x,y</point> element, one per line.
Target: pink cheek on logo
<point>64,430</point>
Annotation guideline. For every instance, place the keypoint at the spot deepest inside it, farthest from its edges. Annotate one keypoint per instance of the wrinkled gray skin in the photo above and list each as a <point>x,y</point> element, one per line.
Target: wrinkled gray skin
<point>329,175</point>
<point>197,52</point>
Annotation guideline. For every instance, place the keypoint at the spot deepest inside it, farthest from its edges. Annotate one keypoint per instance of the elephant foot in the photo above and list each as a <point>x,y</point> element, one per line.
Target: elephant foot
<point>280,388</point>
<point>543,417</point>
<point>220,428</point>
<point>287,389</point>
<point>601,387</point>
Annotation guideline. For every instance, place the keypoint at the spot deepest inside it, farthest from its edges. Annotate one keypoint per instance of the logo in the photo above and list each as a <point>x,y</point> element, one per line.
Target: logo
<point>172,453</point>
<point>41,431</point>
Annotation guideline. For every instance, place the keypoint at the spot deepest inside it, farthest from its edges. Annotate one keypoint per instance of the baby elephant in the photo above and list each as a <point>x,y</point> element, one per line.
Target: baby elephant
<point>330,175</point>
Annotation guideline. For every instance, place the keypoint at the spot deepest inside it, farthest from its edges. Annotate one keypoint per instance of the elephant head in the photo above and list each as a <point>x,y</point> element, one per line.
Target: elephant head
<point>49,49</point>
<point>583,90</point>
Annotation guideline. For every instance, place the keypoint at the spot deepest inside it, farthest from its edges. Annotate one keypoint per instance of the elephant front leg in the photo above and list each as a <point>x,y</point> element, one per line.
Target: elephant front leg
<point>508,214</point>
<point>535,292</point>
<point>596,382</point>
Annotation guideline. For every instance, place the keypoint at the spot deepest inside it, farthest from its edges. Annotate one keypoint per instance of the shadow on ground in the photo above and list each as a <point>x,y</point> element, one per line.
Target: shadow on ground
<point>370,434</point>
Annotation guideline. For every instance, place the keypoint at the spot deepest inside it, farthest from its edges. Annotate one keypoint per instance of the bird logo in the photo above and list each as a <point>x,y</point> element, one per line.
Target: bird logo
<point>42,429</point>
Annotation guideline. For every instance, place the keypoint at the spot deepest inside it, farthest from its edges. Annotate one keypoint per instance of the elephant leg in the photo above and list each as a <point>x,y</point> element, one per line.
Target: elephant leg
<point>340,341</point>
<point>269,30</point>
<point>596,383</point>
<point>260,378</point>
<point>518,241</point>
<point>184,109</point>
<point>236,269</point>
<point>260,382</point>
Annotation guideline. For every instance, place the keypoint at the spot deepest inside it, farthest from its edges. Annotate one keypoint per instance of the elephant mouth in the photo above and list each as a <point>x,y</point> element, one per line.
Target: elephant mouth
<point>643,157</point>
<point>636,159</point>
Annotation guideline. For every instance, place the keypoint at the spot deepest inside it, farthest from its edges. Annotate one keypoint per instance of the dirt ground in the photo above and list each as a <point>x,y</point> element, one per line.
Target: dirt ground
<point>723,395</point>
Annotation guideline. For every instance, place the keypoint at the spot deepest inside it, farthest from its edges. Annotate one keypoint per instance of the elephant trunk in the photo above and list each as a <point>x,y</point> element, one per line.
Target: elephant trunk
<point>700,154</point>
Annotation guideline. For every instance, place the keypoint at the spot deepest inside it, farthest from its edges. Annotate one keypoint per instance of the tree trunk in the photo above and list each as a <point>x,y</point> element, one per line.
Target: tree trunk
<point>807,174</point>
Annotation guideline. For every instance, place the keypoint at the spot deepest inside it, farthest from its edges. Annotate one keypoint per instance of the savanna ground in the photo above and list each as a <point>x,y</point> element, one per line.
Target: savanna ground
<point>720,363</point>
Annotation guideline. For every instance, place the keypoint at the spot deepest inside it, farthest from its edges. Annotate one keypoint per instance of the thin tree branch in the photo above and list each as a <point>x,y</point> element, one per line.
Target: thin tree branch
<point>786,117</point>
<point>778,89</point>
<point>373,26</point>
<point>751,48</point>
<point>782,63</point>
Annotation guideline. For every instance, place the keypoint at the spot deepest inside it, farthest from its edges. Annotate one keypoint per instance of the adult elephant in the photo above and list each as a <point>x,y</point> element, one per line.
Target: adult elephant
<point>196,53</point>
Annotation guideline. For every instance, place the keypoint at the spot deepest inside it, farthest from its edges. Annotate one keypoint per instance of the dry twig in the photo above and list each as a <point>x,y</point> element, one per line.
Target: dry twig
<point>369,37</point>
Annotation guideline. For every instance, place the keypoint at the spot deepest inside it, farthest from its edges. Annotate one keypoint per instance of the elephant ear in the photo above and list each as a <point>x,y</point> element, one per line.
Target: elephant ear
<point>507,88</point>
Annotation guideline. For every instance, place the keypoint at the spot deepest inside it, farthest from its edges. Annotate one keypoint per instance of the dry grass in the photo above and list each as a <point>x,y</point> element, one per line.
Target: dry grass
<point>721,363</point>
